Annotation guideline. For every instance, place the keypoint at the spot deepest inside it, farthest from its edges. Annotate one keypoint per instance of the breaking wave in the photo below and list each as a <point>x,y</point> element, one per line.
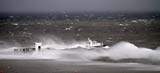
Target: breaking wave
<point>80,51</point>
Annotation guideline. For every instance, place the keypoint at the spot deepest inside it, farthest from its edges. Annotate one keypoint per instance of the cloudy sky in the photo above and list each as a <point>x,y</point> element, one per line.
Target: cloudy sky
<point>78,5</point>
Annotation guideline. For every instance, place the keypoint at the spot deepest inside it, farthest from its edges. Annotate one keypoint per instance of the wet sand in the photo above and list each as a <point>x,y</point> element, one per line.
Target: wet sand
<point>52,66</point>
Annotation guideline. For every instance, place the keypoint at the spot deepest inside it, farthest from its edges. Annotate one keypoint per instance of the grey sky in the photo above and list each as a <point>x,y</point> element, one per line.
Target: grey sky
<point>78,5</point>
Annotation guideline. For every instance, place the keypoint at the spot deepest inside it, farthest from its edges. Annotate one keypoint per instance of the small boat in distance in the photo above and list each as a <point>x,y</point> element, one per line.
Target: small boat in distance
<point>94,44</point>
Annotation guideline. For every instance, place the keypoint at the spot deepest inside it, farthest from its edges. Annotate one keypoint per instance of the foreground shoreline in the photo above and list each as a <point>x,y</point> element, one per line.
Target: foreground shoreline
<point>53,66</point>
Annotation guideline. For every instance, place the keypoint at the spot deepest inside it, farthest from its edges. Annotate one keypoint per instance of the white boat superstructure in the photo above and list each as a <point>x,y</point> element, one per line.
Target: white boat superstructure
<point>94,44</point>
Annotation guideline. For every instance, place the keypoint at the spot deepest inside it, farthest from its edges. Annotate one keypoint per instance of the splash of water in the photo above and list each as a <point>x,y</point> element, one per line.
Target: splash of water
<point>78,51</point>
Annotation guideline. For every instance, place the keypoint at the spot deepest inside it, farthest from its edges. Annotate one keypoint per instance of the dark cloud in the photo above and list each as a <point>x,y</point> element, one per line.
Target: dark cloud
<point>78,5</point>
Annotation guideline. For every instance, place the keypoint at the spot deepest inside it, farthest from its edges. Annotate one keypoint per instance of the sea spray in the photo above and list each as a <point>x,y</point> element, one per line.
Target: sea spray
<point>78,51</point>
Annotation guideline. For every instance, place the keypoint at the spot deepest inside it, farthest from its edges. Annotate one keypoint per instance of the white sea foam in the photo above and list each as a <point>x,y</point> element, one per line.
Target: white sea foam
<point>78,51</point>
